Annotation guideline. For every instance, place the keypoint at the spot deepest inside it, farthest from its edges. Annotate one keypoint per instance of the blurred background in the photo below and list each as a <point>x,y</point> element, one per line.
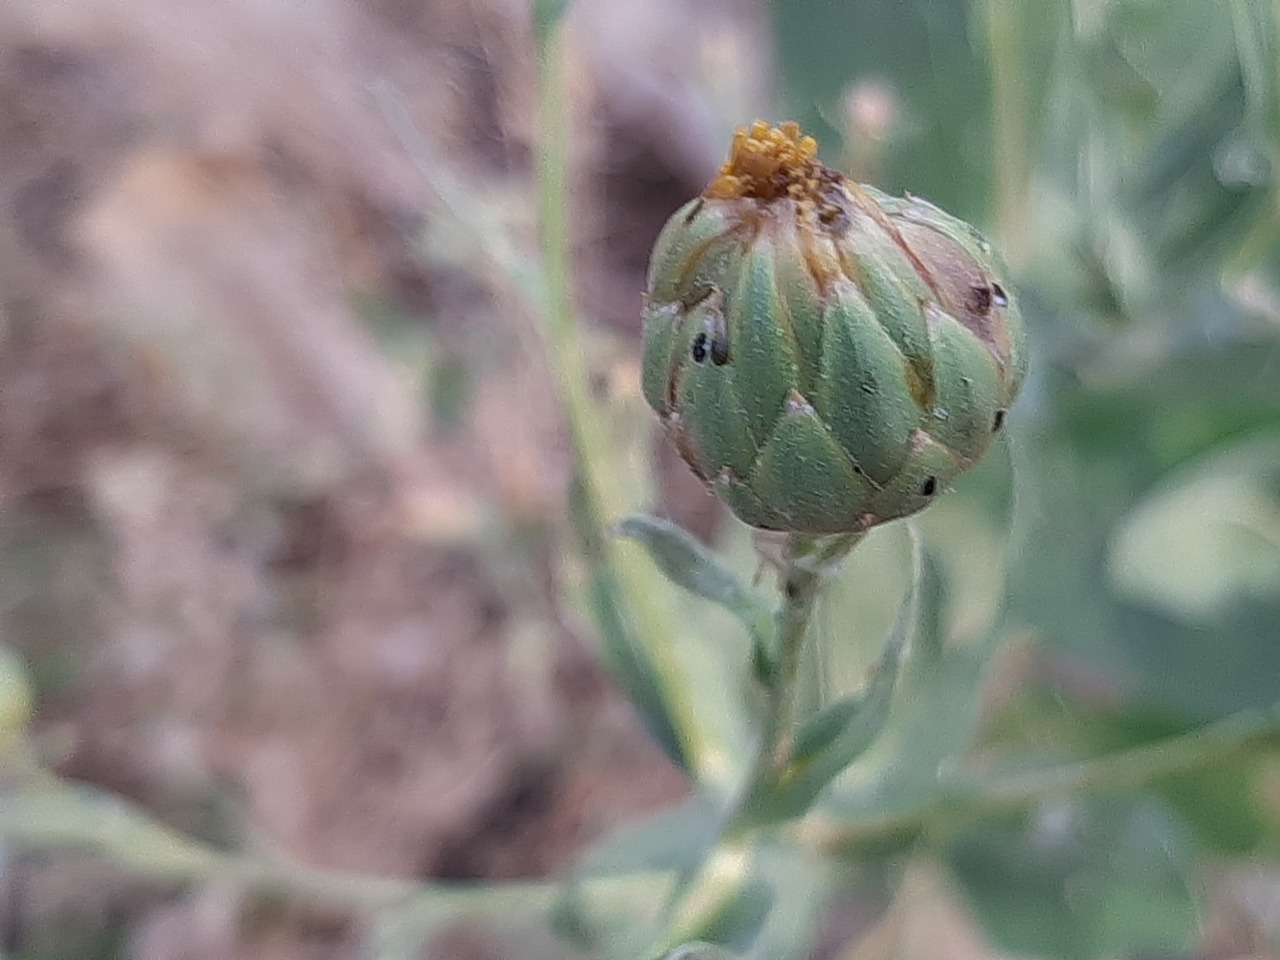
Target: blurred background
<point>285,557</point>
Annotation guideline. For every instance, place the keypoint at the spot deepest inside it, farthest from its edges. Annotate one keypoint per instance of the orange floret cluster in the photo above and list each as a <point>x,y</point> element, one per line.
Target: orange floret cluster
<point>768,163</point>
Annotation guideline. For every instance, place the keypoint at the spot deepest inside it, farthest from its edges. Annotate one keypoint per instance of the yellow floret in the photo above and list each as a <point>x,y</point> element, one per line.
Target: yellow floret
<point>767,162</point>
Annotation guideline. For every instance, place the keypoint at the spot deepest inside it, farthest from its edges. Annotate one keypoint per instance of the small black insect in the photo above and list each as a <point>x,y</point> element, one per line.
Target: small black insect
<point>930,486</point>
<point>999,296</point>
<point>712,342</point>
<point>998,422</point>
<point>699,351</point>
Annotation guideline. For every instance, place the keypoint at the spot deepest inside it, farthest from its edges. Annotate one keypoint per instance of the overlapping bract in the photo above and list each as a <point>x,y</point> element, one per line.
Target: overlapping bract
<point>827,357</point>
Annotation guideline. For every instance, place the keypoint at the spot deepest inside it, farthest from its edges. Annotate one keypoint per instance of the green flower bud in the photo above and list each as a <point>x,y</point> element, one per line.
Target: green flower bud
<point>826,357</point>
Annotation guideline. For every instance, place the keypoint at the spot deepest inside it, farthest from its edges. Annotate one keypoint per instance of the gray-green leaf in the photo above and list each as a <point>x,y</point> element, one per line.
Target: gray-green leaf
<point>686,562</point>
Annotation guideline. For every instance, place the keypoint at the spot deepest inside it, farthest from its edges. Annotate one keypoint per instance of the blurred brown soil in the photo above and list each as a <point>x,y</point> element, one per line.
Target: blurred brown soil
<point>263,590</point>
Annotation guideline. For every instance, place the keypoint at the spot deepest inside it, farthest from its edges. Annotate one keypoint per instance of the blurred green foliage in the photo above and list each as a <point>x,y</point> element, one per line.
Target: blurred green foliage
<point>1074,713</point>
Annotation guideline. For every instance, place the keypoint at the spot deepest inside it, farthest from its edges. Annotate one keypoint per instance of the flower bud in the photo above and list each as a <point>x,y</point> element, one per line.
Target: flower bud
<point>826,357</point>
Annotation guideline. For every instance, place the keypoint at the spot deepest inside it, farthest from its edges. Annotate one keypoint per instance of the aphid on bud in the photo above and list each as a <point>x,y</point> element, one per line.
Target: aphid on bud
<point>699,350</point>
<point>713,342</point>
<point>718,338</point>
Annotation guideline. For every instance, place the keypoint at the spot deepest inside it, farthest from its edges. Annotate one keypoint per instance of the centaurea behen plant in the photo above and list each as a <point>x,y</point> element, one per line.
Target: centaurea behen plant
<point>827,358</point>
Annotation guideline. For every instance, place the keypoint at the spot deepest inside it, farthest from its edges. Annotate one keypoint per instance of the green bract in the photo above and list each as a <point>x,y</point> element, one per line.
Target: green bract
<point>826,357</point>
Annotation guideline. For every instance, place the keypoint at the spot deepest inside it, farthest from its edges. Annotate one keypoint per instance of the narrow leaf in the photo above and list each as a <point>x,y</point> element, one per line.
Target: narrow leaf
<point>675,839</point>
<point>631,667</point>
<point>821,732</point>
<point>928,625</point>
<point>686,562</point>
<point>627,659</point>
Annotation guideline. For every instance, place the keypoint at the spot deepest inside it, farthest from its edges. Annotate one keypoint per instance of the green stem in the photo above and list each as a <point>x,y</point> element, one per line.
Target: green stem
<point>807,569</point>
<point>810,563</point>
<point>801,587</point>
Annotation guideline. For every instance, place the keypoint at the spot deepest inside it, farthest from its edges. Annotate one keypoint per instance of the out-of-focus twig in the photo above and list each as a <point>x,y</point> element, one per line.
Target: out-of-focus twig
<point>969,797</point>
<point>44,815</point>
<point>1011,119</point>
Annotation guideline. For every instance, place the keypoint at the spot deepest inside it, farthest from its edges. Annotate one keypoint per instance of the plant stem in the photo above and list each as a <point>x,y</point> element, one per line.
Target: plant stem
<point>42,815</point>
<point>801,586</point>
<point>806,570</point>
<point>970,797</point>
<point>809,565</point>
<point>1133,768</point>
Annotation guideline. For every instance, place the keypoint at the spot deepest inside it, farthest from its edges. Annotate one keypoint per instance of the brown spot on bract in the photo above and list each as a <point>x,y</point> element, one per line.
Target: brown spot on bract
<point>959,282</point>
<point>980,297</point>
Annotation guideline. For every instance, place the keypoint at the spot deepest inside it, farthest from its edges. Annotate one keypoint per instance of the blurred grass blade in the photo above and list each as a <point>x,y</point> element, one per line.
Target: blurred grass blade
<point>688,563</point>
